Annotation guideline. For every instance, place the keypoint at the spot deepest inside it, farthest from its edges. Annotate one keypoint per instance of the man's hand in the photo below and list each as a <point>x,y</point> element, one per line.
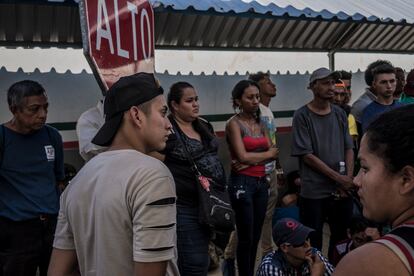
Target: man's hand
<point>346,181</point>
<point>316,265</point>
<point>281,180</point>
<point>61,186</point>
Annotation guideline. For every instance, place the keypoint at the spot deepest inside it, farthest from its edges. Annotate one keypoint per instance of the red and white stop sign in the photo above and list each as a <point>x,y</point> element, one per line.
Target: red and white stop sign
<point>118,38</point>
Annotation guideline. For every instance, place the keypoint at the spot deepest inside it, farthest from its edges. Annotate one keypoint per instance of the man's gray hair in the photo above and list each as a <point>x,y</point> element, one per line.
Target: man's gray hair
<point>19,90</point>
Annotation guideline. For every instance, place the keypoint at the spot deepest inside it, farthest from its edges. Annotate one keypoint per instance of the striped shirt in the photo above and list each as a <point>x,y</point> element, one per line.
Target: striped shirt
<point>275,264</point>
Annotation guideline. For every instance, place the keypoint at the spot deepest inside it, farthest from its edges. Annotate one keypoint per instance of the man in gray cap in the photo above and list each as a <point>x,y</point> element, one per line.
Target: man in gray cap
<point>323,145</point>
<point>294,255</point>
<point>118,215</point>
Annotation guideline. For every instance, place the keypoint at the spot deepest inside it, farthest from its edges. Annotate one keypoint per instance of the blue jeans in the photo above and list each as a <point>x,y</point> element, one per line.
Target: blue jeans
<point>192,243</point>
<point>249,200</point>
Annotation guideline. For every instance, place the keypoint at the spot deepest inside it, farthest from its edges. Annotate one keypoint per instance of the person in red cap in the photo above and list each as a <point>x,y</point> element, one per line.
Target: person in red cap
<point>295,255</point>
<point>118,215</point>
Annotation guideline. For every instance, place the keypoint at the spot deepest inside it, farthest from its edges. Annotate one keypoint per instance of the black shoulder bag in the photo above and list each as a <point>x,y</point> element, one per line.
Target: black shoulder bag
<point>214,202</point>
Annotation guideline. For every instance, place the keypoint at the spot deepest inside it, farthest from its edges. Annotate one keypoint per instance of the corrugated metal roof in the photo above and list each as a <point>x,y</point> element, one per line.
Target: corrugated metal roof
<point>304,25</point>
<point>234,24</point>
<point>370,10</point>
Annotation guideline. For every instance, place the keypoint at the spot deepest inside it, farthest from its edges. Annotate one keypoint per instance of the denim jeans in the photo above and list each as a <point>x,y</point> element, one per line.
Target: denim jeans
<point>249,200</point>
<point>337,213</point>
<point>192,243</point>
<point>26,246</point>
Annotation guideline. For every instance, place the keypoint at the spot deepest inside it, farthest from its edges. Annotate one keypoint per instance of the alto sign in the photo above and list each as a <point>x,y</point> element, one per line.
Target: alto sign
<point>118,38</point>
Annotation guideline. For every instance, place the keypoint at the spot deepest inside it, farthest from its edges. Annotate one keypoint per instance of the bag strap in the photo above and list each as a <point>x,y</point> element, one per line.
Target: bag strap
<point>2,142</point>
<point>179,134</point>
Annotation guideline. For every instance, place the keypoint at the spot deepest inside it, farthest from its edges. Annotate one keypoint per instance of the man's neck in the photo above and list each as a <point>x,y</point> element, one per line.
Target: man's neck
<point>320,106</point>
<point>17,127</point>
<point>384,100</point>
<point>293,262</point>
<point>265,100</point>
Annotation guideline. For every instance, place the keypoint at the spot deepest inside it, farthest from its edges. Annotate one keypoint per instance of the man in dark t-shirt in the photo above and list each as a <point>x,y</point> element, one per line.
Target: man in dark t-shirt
<point>31,169</point>
<point>321,141</point>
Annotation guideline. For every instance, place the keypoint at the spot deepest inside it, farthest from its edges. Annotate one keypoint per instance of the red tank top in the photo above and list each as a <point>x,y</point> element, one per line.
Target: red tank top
<point>253,144</point>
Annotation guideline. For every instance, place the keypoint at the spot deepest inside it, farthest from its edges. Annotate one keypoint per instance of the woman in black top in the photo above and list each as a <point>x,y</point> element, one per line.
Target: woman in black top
<point>200,141</point>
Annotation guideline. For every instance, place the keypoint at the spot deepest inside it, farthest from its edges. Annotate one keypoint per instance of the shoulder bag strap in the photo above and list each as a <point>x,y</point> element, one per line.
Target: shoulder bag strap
<point>178,132</point>
<point>2,142</point>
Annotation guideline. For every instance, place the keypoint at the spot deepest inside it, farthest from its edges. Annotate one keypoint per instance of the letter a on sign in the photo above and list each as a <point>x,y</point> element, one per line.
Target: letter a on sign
<point>118,38</point>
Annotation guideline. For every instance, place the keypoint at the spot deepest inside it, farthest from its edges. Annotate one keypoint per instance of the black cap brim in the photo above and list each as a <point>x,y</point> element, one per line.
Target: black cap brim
<point>107,132</point>
<point>301,235</point>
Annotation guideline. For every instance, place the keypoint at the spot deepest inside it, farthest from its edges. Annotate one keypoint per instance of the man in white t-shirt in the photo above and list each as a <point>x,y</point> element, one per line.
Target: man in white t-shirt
<point>118,215</point>
<point>274,170</point>
<point>87,126</point>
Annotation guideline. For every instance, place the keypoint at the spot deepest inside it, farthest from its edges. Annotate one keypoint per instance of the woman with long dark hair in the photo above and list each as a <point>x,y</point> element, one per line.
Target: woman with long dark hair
<point>250,150</point>
<point>201,143</point>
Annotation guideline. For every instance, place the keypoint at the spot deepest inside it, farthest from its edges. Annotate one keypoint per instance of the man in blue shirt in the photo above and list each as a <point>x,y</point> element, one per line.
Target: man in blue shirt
<point>31,168</point>
<point>384,84</point>
<point>294,255</point>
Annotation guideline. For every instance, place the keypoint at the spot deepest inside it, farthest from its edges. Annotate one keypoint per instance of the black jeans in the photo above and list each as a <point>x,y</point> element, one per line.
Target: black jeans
<point>249,200</point>
<point>26,245</point>
<point>337,213</point>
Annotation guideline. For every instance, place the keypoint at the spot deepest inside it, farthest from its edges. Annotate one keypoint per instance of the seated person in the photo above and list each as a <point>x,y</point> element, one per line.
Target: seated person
<point>360,232</point>
<point>294,255</point>
<point>288,197</point>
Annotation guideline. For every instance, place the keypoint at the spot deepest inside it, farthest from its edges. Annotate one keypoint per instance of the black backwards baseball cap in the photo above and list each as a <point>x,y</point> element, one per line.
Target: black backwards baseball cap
<point>126,92</point>
<point>290,231</point>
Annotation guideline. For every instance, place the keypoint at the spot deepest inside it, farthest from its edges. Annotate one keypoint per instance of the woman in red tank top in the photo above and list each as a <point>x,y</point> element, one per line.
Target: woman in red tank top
<point>250,150</point>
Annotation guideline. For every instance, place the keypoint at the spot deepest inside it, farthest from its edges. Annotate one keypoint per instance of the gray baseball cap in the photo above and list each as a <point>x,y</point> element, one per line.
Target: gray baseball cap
<point>323,73</point>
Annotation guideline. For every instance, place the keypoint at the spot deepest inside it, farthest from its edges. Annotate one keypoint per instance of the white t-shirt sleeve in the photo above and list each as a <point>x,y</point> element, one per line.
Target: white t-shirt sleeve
<point>63,234</point>
<point>153,211</point>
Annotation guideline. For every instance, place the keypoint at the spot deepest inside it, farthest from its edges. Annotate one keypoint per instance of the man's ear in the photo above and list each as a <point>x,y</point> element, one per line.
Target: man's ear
<point>407,174</point>
<point>13,109</point>
<point>136,115</point>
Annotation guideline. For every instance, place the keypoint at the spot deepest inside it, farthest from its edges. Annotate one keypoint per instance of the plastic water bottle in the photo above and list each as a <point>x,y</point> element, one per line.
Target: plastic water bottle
<point>341,170</point>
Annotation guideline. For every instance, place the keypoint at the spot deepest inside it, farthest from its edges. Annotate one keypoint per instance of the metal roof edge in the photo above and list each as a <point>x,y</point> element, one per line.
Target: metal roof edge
<point>36,70</point>
<point>271,10</point>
